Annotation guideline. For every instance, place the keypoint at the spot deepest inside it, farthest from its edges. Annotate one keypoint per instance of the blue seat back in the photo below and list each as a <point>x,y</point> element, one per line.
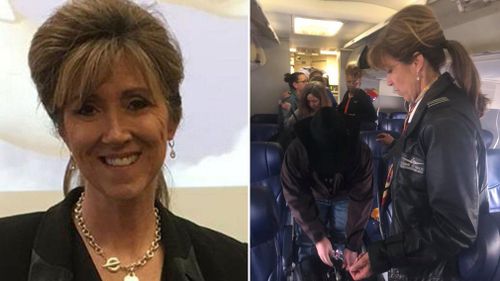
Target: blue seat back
<point>487,137</point>
<point>393,125</point>
<point>493,158</point>
<point>263,132</point>
<point>265,160</point>
<point>264,118</point>
<point>482,261</point>
<point>397,115</point>
<point>379,175</point>
<point>264,260</point>
<point>382,115</point>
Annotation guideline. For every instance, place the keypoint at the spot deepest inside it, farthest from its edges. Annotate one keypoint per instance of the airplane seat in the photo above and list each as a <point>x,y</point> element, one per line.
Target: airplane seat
<point>493,159</point>
<point>262,131</point>
<point>382,115</point>
<point>265,118</point>
<point>394,126</point>
<point>482,262</point>
<point>265,160</point>
<point>487,137</point>
<point>379,174</point>
<point>263,229</point>
<point>397,115</point>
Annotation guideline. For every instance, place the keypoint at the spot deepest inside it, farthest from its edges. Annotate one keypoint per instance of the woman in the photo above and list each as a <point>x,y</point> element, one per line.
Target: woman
<point>313,97</point>
<point>355,102</point>
<point>439,164</point>
<point>108,74</point>
<point>289,99</point>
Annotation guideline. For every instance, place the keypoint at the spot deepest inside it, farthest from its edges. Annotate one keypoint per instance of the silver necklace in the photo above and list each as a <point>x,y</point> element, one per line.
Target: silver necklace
<point>113,264</point>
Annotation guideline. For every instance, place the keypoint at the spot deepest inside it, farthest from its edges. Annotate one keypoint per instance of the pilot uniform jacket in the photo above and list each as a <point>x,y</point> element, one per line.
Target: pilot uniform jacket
<point>302,185</point>
<point>41,247</point>
<point>361,108</point>
<point>437,187</point>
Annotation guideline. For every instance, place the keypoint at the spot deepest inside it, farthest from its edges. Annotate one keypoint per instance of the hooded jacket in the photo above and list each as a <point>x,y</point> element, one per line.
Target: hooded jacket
<point>302,184</point>
<point>437,187</point>
<point>39,247</point>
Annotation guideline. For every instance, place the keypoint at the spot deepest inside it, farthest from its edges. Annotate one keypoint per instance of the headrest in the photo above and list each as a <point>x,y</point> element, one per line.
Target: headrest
<point>393,125</point>
<point>397,115</point>
<point>265,160</point>
<point>487,138</point>
<point>493,160</point>
<point>262,132</point>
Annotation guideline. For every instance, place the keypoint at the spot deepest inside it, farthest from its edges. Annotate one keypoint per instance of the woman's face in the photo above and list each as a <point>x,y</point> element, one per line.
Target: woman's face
<point>118,135</point>
<point>301,83</point>
<point>352,83</point>
<point>313,102</point>
<point>402,77</point>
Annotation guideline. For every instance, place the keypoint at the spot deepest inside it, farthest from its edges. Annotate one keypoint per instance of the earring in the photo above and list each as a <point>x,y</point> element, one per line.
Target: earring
<point>418,77</point>
<point>171,144</point>
<point>72,165</point>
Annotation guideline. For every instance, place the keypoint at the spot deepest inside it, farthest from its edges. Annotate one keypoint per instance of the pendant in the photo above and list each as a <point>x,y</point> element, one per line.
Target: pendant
<point>112,264</point>
<point>131,277</point>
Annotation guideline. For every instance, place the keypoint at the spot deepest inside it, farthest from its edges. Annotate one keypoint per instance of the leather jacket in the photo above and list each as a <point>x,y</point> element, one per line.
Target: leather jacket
<point>438,184</point>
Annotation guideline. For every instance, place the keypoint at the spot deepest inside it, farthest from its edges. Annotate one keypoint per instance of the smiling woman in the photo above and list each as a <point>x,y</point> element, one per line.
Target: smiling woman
<point>108,74</point>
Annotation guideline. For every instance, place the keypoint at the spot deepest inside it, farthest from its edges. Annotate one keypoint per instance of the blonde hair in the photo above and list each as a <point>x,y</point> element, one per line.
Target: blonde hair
<point>353,70</point>
<point>318,90</point>
<point>75,49</point>
<point>415,29</point>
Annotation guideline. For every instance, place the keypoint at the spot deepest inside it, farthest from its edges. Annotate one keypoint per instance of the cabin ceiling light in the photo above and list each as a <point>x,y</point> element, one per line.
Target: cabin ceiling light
<point>316,27</point>
<point>6,11</point>
<point>328,52</point>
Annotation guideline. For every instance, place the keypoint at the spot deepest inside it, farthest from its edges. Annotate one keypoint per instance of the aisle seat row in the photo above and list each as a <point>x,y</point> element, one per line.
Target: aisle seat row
<point>482,262</point>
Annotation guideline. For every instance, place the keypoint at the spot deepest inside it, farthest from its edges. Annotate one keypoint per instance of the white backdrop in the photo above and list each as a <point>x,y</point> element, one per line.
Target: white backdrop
<point>212,141</point>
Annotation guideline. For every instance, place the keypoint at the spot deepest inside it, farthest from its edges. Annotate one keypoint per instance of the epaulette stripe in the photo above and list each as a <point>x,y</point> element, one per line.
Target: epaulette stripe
<point>437,101</point>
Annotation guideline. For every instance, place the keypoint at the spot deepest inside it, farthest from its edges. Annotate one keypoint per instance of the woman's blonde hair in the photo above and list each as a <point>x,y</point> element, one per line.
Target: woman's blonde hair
<point>415,29</point>
<point>353,70</point>
<point>75,50</point>
<point>318,90</point>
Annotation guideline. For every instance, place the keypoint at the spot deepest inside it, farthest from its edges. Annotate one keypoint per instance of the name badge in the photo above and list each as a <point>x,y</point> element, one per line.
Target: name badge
<point>414,164</point>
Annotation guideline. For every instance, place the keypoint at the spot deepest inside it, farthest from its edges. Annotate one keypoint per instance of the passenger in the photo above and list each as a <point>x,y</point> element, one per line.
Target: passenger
<point>108,74</point>
<point>317,75</point>
<point>356,103</point>
<point>439,170</point>
<point>289,100</point>
<point>313,98</point>
<point>327,182</point>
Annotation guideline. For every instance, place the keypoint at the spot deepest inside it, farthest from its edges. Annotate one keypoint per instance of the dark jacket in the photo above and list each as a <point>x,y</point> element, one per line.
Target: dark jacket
<point>302,185</point>
<point>360,108</point>
<point>438,178</point>
<point>38,247</point>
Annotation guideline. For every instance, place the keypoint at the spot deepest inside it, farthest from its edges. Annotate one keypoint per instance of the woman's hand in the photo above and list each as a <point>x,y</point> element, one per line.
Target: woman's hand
<point>349,258</point>
<point>324,248</point>
<point>361,269</point>
<point>285,105</point>
<point>385,138</point>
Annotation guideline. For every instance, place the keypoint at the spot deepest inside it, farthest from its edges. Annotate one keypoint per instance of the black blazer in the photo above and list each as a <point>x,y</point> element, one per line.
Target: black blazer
<point>360,108</point>
<point>38,247</point>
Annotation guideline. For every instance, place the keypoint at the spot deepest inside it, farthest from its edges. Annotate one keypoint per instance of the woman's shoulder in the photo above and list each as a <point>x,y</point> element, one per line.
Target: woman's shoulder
<point>19,227</point>
<point>217,254</point>
<point>17,235</point>
<point>206,236</point>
